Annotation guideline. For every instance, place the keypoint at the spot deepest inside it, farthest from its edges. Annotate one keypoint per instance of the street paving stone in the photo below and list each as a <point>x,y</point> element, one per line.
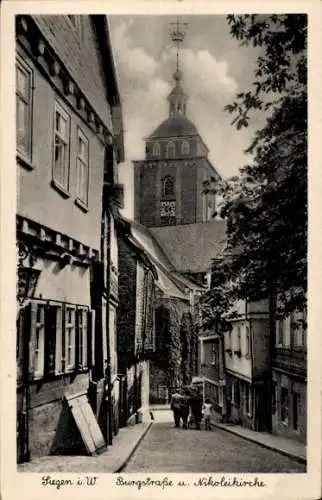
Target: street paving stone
<point>167,449</point>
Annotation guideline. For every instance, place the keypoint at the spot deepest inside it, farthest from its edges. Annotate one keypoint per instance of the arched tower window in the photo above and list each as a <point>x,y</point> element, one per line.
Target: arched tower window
<point>156,149</point>
<point>168,186</point>
<point>170,150</point>
<point>185,148</point>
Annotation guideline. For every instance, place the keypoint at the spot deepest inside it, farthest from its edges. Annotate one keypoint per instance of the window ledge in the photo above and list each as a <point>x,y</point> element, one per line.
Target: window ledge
<point>24,162</point>
<point>55,184</point>
<point>81,204</point>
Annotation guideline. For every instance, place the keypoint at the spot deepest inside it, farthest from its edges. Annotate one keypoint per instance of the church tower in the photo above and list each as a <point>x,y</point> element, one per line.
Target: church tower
<point>169,181</point>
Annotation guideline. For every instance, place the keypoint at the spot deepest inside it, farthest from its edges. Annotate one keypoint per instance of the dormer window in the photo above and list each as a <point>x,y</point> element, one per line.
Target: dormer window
<point>156,149</point>
<point>185,148</point>
<point>170,150</point>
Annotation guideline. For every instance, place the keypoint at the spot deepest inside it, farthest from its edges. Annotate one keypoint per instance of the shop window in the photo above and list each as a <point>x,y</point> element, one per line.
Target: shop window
<point>61,148</point>
<point>23,109</point>
<point>82,168</point>
<point>284,405</point>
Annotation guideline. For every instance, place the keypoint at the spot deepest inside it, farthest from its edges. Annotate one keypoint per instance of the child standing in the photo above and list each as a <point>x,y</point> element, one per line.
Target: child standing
<point>207,412</point>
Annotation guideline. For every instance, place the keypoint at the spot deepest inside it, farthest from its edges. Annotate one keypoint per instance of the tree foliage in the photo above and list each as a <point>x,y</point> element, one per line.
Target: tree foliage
<point>265,206</point>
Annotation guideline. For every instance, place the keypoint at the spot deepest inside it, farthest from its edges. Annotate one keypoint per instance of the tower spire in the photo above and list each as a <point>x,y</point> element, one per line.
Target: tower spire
<point>177,98</point>
<point>177,33</point>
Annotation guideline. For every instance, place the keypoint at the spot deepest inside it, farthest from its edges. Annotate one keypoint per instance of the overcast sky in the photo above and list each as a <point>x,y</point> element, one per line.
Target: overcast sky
<point>214,68</point>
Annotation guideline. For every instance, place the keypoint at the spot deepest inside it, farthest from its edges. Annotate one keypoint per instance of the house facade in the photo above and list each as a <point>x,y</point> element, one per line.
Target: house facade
<point>289,377</point>
<point>212,371</point>
<point>136,327</point>
<point>247,366</point>
<point>68,115</point>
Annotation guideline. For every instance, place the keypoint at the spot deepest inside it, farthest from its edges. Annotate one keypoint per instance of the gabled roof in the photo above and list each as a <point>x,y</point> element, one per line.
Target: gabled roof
<point>191,247</point>
<point>169,281</point>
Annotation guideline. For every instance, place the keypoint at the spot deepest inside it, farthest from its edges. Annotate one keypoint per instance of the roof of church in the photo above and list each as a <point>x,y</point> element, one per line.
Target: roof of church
<point>191,247</point>
<point>175,126</point>
<point>172,284</point>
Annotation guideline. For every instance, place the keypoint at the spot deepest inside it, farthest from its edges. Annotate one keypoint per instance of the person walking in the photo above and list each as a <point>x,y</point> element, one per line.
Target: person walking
<point>196,409</point>
<point>176,403</point>
<point>207,413</point>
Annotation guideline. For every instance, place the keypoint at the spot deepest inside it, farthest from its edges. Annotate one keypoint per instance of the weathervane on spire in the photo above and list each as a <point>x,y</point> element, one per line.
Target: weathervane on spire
<point>177,32</point>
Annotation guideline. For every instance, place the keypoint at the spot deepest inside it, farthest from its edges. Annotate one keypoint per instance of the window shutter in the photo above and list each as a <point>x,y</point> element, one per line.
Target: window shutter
<point>91,339</point>
<point>31,314</point>
<point>59,340</point>
<point>78,360</point>
<point>36,370</point>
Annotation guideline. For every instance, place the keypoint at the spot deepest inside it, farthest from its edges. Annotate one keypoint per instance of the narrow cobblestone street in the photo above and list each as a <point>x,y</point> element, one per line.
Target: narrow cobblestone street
<point>168,449</point>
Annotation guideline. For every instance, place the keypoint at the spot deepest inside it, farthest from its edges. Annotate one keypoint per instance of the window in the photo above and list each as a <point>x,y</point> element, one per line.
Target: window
<point>274,397</point>
<point>284,405</point>
<point>238,343</point>
<point>156,149</point>
<point>215,354</point>
<point>228,341</point>
<point>295,404</point>
<point>82,336</point>
<point>236,393</point>
<point>247,341</point>
<point>53,339</point>
<point>202,353</point>
<point>37,337</point>
<point>82,168</point>
<point>168,186</point>
<point>247,399</point>
<point>298,333</point>
<point>60,337</point>
<point>23,109</point>
<point>61,148</point>
<point>70,337</point>
<point>170,150</point>
<point>221,396</point>
<point>185,148</point>
<point>280,332</point>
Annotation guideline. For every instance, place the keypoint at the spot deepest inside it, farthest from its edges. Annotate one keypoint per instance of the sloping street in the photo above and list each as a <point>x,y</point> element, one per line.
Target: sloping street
<point>168,449</point>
